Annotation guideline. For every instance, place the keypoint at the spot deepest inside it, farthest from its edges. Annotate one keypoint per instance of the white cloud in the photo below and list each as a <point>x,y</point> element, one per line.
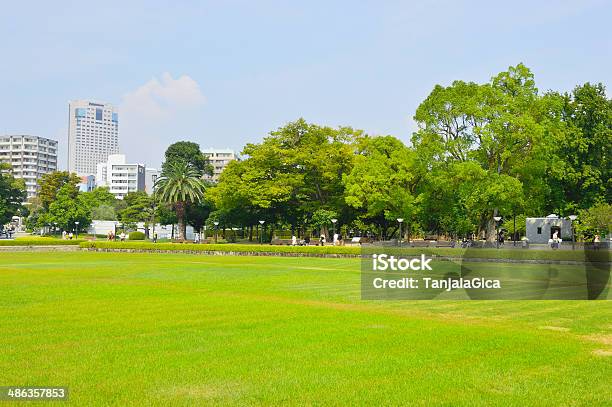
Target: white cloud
<point>161,98</point>
<point>156,114</point>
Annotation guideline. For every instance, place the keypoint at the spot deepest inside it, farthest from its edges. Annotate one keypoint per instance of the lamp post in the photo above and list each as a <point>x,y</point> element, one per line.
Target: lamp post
<point>572,218</point>
<point>55,228</point>
<point>216,223</point>
<point>333,221</point>
<point>77,229</point>
<point>261,222</point>
<point>496,219</point>
<point>399,240</point>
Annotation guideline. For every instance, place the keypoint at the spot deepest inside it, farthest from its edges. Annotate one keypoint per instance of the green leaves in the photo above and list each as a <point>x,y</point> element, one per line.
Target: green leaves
<point>12,194</point>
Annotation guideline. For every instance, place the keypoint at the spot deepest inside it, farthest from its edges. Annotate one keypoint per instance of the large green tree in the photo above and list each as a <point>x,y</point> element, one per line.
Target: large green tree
<point>51,183</point>
<point>501,126</point>
<point>382,183</point>
<point>294,172</point>
<point>581,168</point>
<point>67,209</point>
<point>187,152</point>
<point>179,185</point>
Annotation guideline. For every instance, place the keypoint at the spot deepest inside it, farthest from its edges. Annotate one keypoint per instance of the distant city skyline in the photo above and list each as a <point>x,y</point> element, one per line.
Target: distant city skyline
<point>224,75</point>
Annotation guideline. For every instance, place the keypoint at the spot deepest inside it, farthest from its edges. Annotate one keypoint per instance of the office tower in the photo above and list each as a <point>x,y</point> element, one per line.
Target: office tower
<point>219,158</point>
<point>93,135</point>
<point>121,178</point>
<point>31,158</point>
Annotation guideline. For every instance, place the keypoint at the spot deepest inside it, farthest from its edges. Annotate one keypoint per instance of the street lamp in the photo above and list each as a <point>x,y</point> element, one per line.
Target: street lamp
<point>399,240</point>
<point>261,222</point>
<point>77,229</point>
<point>333,221</point>
<point>572,218</point>
<point>216,224</point>
<point>497,219</point>
<point>55,228</point>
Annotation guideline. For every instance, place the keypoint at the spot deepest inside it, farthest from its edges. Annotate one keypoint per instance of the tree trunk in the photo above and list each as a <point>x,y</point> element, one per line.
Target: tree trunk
<point>180,215</point>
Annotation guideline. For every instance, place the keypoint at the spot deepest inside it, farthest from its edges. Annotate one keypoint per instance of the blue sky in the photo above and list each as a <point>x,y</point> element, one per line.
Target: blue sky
<point>224,73</point>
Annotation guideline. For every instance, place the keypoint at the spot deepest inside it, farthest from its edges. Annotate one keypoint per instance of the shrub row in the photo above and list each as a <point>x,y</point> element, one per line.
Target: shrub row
<point>40,242</point>
<point>513,254</point>
<point>223,247</point>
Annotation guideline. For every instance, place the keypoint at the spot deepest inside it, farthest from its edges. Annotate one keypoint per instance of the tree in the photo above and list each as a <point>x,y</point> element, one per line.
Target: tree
<point>139,208</point>
<point>581,169</point>
<point>12,194</point>
<point>294,172</point>
<point>595,220</point>
<point>187,152</point>
<point>67,209</point>
<point>51,183</point>
<point>500,126</point>
<point>383,182</point>
<point>180,184</point>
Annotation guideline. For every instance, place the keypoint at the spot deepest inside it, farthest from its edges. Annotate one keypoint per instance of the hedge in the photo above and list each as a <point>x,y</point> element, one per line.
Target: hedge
<point>40,242</point>
<point>222,247</point>
<point>136,236</point>
<point>513,254</point>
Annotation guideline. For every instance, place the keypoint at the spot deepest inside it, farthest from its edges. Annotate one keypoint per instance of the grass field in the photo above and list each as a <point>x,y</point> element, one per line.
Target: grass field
<point>172,329</point>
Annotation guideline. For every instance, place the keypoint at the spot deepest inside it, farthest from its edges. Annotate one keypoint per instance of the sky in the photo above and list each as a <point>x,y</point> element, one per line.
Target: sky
<point>226,73</point>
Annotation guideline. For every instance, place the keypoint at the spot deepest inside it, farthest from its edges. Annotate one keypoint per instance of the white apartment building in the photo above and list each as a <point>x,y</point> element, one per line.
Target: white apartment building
<point>31,158</point>
<point>93,135</point>
<point>151,176</point>
<point>219,158</point>
<point>121,178</point>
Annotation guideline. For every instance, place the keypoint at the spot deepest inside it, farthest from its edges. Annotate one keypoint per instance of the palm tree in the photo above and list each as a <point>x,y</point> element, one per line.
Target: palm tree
<point>179,185</point>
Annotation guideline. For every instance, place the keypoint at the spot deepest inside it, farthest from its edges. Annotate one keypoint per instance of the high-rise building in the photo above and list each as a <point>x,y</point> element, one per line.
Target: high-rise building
<point>31,158</point>
<point>121,178</point>
<point>93,135</point>
<point>219,158</point>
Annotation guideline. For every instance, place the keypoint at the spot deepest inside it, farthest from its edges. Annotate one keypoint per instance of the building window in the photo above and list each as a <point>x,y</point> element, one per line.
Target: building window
<point>98,114</point>
<point>80,112</point>
<point>539,231</point>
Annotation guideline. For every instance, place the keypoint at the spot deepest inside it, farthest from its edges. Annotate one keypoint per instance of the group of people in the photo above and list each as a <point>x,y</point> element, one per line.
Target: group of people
<point>322,240</point>
<point>67,235</point>
<point>111,236</point>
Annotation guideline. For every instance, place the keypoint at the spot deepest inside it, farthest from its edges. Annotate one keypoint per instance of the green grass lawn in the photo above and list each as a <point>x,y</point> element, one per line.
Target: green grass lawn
<point>172,329</point>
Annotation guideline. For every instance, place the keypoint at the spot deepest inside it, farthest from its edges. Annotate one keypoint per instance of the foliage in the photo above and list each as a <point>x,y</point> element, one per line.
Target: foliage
<point>51,183</point>
<point>37,241</point>
<point>180,184</point>
<point>67,209</point>
<point>103,212</point>
<point>595,220</point>
<point>12,194</point>
<point>138,208</point>
<point>189,153</point>
<point>136,236</point>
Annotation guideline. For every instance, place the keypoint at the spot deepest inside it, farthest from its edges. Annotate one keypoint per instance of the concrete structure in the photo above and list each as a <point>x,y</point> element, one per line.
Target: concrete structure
<point>102,227</point>
<point>88,183</point>
<point>151,175</point>
<point>93,135</point>
<point>219,158</point>
<point>31,158</point>
<point>540,230</point>
<point>120,177</point>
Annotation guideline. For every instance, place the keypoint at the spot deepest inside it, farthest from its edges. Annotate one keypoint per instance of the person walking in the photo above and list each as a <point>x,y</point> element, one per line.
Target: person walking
<point>122,236</point>
<point>596,242</point>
